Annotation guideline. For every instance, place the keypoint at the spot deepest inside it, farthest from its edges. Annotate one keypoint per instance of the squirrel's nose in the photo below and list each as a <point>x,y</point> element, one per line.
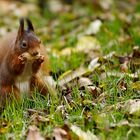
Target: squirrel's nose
<point>35,53</point>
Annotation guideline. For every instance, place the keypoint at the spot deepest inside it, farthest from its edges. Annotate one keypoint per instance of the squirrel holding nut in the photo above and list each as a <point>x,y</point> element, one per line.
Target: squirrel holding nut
<point>22,59</point>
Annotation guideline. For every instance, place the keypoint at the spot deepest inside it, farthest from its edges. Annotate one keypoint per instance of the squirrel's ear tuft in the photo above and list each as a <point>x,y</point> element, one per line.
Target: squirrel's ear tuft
<point>21,29</point>
<point>29,25</point>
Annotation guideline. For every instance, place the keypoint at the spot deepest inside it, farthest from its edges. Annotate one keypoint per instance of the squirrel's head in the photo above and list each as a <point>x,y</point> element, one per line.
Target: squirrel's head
<point>26,40</point>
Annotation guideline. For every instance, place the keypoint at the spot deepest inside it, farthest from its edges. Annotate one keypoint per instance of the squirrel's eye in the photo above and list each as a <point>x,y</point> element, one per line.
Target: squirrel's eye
<point>23,45</point>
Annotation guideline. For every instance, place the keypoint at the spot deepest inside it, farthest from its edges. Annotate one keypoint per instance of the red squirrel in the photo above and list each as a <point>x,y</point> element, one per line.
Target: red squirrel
<point>22,59</point>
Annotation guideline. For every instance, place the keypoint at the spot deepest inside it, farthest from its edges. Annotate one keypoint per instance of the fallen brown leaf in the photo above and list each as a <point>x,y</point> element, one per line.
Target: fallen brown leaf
<point>122,85</point>
<point>124,123</point>
<point>69,76</point>
<point>94,27</point>
<point>84,81</point>
<point>132,107</point>
<point>34,134</point>
<point>4,126</point>
<point>59,134</point>
<point>85,44</point>
<point>83,135</point>
<point>136,85</point>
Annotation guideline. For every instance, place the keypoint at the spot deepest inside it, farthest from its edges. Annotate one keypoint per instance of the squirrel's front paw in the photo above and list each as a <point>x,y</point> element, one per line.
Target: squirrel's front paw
<point>40,59</point>
<point>37,63</point>
<point>22,59</point>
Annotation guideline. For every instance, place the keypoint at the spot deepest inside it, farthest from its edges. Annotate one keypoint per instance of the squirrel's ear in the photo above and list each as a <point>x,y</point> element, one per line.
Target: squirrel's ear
<point>29,25</point>
<point>21,29</point>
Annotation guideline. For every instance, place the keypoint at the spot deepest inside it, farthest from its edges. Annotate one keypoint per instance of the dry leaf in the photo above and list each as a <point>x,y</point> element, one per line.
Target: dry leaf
<point>135,60</point>
<point>83,135</point>
<point>94,64</point>
<point>36,119</point>
<point>106,5</point>
<point>84,81</point>
<point>124,123</point>
<point>59,134</point>
<point>67,51</point>
<point>56,6</point>
<point>136,85</point>
<point>123,59</point>
<point>124,62</point>
<point>85,44</point>
<point>122,85</point>
<point>16,8</point>
<point>102,97</point>
<point>95,91</point>
<point>4,126</point>
<point>118,74</point>
<point>34,134</point>
<point>60,108</point>
<point>136,52</point>
<point>35,111</point>
<point>132,107</point>
<point>110,55</point>
<point>70,75</point>
<point>69,98</point>
<point>94,27</point>
<point>124,67</point>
